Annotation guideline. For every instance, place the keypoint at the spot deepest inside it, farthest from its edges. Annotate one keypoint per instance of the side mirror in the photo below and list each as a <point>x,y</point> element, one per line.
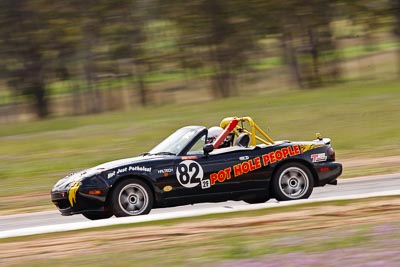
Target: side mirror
<point>208,148</point>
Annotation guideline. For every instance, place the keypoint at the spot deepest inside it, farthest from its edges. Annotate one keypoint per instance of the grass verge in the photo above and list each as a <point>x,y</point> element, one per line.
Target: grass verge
<point>361,119</point>
<point>317,229</point>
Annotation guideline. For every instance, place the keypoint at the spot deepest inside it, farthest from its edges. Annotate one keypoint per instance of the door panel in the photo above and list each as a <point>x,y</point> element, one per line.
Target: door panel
<point>233,172</point>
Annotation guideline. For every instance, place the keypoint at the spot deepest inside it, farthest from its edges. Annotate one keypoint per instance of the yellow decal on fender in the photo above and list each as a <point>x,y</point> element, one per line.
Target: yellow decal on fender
<point>305,148</point>
<point>72,192</point>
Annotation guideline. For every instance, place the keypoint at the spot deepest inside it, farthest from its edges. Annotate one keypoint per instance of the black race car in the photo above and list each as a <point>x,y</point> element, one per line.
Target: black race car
<point>191,167</point>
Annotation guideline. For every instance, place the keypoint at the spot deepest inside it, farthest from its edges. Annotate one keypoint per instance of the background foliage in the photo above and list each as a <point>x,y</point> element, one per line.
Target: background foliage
<point>151,66</point>
<point>78,57</point>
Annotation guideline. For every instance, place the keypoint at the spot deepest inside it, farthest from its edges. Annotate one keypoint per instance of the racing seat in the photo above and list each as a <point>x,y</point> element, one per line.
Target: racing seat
<point>243,140</point>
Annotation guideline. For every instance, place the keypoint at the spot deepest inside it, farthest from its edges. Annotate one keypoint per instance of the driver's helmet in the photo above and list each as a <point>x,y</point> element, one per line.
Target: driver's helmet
<point>213,134</point>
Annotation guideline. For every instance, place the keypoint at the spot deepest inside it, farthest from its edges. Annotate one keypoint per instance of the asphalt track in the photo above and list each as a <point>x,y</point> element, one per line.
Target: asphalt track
<point>52,221</point>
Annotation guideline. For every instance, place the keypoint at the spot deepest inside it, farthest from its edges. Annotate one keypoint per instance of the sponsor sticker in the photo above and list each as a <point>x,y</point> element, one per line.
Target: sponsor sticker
<point>190,174</point>
<point>111,175</point>
<point>318,157</point>
<point>165,171</point>
<point>250,165</point>
<point>189,157</point>
<point>122,170</point>
<point>139,168</point>
<point>205,184</point>
<point>128,169</point>
<point>167,188</point>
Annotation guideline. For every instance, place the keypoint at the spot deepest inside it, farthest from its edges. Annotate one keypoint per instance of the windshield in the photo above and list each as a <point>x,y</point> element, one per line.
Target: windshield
<point>174,143</point>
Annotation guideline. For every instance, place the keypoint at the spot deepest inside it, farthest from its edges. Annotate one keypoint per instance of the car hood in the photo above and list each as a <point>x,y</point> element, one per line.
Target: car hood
<point>121,162</point>
<point>128,161</point>
<point>135,161</point>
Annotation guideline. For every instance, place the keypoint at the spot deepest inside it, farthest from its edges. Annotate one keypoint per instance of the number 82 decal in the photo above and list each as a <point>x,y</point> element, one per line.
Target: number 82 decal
<point>190,174</point>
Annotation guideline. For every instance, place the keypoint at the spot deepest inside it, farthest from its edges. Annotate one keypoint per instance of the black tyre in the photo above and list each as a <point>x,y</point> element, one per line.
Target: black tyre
<point>97,215</point>
<point>256,200</point>
<point>292,181</point>
<point>131,197</point>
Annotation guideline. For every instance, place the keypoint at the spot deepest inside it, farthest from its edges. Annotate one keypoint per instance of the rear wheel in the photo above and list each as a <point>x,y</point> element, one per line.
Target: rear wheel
<point>256,200</point>
<point>131,197</point>
<point>292,181</point>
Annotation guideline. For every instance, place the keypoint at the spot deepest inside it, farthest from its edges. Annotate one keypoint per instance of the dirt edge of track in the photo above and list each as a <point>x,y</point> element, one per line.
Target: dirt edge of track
<point>144,238</point>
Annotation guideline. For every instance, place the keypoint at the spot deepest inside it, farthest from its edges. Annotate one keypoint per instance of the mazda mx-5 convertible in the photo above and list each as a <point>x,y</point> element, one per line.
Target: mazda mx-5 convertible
<point>236,161</point>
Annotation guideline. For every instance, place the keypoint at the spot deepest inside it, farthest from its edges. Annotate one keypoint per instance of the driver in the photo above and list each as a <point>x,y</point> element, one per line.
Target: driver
<point>213,134</point>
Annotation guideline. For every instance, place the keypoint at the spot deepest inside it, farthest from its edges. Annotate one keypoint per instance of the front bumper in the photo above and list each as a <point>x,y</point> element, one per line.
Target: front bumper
<point>83,202</point>
<point>60,199</point>
<point>327,172</point>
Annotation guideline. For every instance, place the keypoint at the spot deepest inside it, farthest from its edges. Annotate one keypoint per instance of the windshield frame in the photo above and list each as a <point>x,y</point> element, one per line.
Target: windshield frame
<point>180,141</point>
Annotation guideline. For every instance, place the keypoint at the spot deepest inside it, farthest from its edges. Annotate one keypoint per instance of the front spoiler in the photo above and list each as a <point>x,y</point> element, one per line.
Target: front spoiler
<point>84,203</point>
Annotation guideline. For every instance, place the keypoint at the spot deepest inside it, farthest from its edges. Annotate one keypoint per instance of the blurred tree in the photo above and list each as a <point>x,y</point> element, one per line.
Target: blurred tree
<point>305,32</point>
<point>23,38</point>
<point>308,41</point>
<point>372,18</point>
<point>137,18</point>
<point>66,34</point>
<point>38,40</point>
<point>124,33</point>
<point>219,27</point>
<point>90,44</point>
<point>91,17</point>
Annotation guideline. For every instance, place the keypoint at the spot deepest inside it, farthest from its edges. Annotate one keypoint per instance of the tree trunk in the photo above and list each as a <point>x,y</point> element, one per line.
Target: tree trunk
<point>315,79</point>
<point>291,58</point>
<point>90,98</point>
<point>35,84</point>
<point>223,79</point>
<point>142,90</point>
<point>40,100</point>
<point>141,83</point>
<point>396,13</point>
<point>76,104</point>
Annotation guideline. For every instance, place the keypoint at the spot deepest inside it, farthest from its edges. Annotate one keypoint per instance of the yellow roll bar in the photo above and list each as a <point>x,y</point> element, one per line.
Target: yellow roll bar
<point>252,133</point>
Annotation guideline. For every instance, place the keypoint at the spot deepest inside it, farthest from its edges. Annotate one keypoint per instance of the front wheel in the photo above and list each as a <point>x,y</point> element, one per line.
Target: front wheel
<point>131,197</point>
<point>292,181</point>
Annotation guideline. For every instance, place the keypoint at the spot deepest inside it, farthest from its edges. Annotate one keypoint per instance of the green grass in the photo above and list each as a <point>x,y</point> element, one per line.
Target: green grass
<point>221,247</point>
<point>362,120</point>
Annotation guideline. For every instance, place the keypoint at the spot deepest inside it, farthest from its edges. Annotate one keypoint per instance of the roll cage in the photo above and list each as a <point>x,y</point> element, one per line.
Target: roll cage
<point>237,125</point>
